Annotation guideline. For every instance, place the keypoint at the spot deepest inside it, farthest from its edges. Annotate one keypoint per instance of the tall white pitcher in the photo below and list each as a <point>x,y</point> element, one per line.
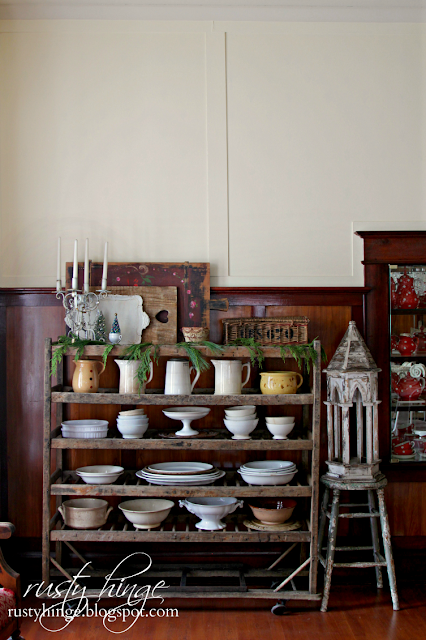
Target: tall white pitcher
<point>228,374</point>
<point>178,377</point>
<point>128,381</point>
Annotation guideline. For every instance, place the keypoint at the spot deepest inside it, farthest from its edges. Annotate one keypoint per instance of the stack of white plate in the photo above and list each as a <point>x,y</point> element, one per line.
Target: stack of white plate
<point>85,429</point>
<point>268,472</point>
<point>132,424</point>
<point>181,473</point>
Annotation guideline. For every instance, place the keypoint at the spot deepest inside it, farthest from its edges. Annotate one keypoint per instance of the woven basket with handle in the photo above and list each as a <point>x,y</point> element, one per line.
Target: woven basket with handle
<point>267,331</point>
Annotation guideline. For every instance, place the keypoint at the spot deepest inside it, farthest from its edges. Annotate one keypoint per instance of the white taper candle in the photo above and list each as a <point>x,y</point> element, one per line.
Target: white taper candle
<point>58,268</point>
<point>75,267</point>
<point>105,269</point>
<point>86,267</point>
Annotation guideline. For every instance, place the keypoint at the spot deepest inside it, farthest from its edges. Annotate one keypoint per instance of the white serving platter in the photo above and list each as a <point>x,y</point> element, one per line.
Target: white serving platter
<point>131,317</point>
<point>181,481</point>
<point>180,468</point>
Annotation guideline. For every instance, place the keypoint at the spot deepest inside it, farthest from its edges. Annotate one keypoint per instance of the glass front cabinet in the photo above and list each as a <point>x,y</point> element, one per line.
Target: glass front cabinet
<point>407,289</point>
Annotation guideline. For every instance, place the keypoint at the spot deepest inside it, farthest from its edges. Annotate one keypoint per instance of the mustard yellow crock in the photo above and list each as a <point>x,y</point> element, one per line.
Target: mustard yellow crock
<point>278,382</point>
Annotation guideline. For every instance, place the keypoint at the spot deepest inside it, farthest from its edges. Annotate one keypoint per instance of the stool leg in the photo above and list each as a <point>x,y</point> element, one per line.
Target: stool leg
<point>331,548</point>
<point>323,519</point>
<point>375,538</point>
<point>388,548</point>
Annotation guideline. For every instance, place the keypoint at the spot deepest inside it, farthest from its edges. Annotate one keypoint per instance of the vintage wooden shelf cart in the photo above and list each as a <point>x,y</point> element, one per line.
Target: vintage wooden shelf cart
<point>63,483</point>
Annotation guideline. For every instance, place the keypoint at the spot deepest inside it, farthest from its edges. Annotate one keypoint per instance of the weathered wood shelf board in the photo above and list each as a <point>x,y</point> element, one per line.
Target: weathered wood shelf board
<point>130,485</point>
<point>151,441</point>
<point>180,527</point>
<point>178,536</point>
<point>196,399</point>
<point>171,350</point>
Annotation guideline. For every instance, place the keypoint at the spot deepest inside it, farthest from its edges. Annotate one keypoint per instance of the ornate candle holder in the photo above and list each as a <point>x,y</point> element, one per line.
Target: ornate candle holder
<point>79,310</point>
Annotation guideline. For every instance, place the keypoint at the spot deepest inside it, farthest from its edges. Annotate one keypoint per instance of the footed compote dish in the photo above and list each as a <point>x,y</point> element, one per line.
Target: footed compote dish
<point>186,415</point>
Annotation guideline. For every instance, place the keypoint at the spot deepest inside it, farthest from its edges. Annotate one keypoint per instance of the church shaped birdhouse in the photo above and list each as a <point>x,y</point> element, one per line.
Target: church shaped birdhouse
<point>352,410</point>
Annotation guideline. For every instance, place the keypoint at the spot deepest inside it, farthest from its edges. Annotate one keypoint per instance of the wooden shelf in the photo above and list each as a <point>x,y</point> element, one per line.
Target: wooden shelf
<point>196,399</point>
<point>229,486</point>
<point>170,350</point>
<point>180,528</point>
<point>259,442</point>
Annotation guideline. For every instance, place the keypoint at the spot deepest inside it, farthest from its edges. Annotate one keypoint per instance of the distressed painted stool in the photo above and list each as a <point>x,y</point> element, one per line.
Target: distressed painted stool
<point>373,486</point>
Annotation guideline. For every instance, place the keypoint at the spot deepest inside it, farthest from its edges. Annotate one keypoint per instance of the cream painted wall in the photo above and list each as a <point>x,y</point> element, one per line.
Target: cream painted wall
<point>259,147</point>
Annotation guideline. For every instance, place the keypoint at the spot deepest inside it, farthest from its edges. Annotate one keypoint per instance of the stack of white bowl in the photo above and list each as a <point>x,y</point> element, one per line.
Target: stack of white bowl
<point>132,424</point>
<point>84,429</point>
<point>268,472</point>
<point>280,427</point>
<point>241,421</point>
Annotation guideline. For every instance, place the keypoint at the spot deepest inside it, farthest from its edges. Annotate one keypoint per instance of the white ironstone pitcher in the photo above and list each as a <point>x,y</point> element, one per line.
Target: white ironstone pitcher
<point>128,380</point>
<point>178,377</point>
<point>228,374</point>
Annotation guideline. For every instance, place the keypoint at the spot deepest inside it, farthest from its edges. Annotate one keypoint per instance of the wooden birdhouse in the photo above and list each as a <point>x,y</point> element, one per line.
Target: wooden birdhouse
<point>352,410</point>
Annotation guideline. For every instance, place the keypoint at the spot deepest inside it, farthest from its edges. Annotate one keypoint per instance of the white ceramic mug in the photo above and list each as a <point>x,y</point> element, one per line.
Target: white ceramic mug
<point>178,377</point>
<point>227,379</point>
<point>128,381</point>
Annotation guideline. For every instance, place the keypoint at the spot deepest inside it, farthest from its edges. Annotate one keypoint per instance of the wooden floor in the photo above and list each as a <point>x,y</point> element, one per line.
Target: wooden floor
<point>355,613</point>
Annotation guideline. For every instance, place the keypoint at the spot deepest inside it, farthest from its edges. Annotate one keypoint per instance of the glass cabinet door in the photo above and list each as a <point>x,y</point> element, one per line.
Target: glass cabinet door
<point>408,362</point>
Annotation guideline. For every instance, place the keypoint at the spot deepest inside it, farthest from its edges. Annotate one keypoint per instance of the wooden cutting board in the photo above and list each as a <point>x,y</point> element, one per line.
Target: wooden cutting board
<point>155,301</point>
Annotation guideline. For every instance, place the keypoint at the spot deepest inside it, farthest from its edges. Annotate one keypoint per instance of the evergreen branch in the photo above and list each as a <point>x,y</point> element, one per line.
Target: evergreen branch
<point>215,349</point>
<point>65,342</point>
<point>196,357</point>
<point>107,351</point>
<point>254,348</point>
<point>146,352</point>
<point>304,352</point>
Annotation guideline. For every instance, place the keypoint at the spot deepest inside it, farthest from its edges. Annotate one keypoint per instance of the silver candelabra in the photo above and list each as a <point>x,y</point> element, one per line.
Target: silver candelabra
<point>81,310</point>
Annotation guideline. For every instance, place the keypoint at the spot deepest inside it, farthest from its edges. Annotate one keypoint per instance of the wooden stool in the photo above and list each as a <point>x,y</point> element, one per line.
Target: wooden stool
<point>377,485</point>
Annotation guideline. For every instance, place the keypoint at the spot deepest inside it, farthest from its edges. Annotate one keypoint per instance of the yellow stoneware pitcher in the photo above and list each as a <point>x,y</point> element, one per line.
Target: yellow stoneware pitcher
<point>86,376</point>
<point>277,382</point>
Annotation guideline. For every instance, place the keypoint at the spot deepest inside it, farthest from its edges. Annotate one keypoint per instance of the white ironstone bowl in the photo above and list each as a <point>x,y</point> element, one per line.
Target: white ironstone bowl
<point>267,479</point>
<point>280,431</point>
<point>243,410</point>
<point>239,418</point>
<point>241,429</point>
<point>129,431</point>
<point>211,511</point>
<point>100,473</point>
<point>146,513</point>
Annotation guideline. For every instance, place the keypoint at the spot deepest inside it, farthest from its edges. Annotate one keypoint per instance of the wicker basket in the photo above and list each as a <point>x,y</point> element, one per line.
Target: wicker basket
<point>267,331</point>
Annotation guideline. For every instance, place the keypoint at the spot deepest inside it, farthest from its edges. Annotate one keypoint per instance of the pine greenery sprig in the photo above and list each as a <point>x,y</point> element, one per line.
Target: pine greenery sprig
<point>72,341</point>
<point>215,349</point>
<point>146,352</point>
<point>194,354</point>
<point>304,352</point>
<point>254,348</point>
<point>107,351</point>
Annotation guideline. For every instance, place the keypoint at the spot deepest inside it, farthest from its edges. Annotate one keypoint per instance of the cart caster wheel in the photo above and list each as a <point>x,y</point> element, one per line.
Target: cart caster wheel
<point>280,609</point>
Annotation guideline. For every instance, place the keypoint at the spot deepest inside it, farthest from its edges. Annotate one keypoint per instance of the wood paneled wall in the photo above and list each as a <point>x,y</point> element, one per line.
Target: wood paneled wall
<point>27,317</point>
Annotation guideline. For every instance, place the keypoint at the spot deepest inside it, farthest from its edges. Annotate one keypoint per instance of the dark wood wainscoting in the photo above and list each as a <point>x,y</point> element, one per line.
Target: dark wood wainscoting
<point>28,316</point>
